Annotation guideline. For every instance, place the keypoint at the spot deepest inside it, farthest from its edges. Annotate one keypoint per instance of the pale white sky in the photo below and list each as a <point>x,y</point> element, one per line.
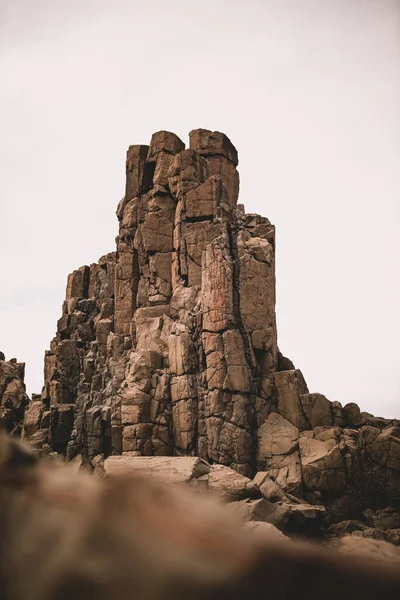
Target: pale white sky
<point>307,90</point>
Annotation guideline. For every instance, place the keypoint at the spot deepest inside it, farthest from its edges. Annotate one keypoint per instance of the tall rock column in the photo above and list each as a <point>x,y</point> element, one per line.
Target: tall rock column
<point>168,346</point>
<point>127,274</point>
<point>143,395</point>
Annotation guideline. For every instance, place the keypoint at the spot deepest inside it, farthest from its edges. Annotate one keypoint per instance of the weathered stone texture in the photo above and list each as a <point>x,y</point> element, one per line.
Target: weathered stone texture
<point>13,399</point>
<point>168,347</point>
<point>67,534</point>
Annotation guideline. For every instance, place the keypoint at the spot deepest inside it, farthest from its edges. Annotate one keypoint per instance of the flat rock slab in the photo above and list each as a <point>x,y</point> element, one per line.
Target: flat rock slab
<point>230,485</point>
<point>266,531</point>
<point>172,469</point>
<point>306,511</point>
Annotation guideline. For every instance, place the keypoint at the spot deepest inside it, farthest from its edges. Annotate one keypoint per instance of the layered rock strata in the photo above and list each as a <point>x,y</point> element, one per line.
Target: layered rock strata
<point>168,346</point>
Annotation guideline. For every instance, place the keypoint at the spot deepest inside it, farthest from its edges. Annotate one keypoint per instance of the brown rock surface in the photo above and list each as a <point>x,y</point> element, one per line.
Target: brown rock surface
<point>367,548</point>
<point>266,531</point>
<point>13,398</point>
<point>260,510</point>
<point>168,347</point>
<point>278,453</point>
<point>66,534</point>
<point>170,469</point>
<point>231,485</point>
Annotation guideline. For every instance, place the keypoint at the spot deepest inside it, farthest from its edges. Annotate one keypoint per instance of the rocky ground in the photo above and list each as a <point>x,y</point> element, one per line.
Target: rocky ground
<point>166,361</point>
<point>65,533</point>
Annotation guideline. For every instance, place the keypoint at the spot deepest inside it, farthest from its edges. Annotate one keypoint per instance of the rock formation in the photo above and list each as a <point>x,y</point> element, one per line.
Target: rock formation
<point>13,398</point>
<point>70,535</point>
<point>168,347</point>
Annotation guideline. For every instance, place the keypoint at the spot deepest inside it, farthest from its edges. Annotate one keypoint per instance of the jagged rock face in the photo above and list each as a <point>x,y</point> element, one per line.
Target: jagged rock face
<point>13,399</point>
<point>168,346</point>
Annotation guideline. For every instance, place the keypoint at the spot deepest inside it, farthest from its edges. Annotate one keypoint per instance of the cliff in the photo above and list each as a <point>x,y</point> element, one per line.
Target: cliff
<point>168,346</point>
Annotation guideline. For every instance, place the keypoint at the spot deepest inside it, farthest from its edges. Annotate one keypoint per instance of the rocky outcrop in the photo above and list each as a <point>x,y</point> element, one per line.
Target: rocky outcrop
<point>13,398</point>
<point>168,347</point>
<point>70,535</point>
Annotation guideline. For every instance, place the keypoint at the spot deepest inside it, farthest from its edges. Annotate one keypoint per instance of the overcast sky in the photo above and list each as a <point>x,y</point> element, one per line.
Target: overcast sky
<point>309,93</point>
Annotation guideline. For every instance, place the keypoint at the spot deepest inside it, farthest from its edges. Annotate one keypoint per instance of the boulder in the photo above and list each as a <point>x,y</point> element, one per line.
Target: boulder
<point>269,489</point>
<point>304,518</point>
<point>261,510</point>
<point>171,469</point>
<point>32,419</point>
<point>317,409</point>
<point>164,141</point>
<point>322,465</point>
<point>230,485</point>
<point>352,415</point>
<point>13,398</point>
<point>278,453</point>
